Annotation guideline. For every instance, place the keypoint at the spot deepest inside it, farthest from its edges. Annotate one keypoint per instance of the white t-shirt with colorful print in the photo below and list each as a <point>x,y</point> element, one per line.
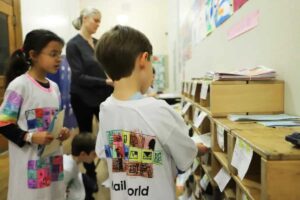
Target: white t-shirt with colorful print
<point>143,140</point>
<point>32,108</point>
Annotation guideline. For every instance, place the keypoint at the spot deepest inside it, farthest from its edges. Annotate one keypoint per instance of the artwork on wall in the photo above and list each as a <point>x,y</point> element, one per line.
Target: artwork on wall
<point>224,10</point>
<point>160,79</point>
<point>210,15</point>
<point>237,4</point>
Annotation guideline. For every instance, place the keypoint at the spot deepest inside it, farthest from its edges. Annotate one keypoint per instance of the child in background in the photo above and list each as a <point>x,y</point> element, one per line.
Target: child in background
<point>153,138</point>
<point>78,185</point>
<point>30,103</point>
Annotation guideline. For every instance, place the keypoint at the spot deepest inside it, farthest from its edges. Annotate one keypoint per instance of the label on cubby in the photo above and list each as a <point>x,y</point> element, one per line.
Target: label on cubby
<point>241,158</point>
<point>204,90</point>
<point>185,107</point>
<point>204,182</point>
<point>196,113</point>
<point>244,196</point>
<point>222,178</point>
<point>220,136</point>
<point>194,87</point>
<point>200,119</point>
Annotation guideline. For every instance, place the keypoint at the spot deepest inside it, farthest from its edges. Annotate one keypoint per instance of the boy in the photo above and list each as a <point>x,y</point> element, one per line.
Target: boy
<point>142,138</point>
<point>78,185</point>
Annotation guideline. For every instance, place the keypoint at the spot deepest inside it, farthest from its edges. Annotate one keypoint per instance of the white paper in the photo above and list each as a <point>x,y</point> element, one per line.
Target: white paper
<point>278,117</point>
<point>279,123</point>
<point>182,178</point>
<point>204,182</point>
<point>107,183</point>
<point>54,129</point>
<point>244,196</point>
<point>220,137</point>
<point>241,158</point>
<point>204,90</point>
<point>196,163</point>
<point>194,87</point>
<point>196,113</point>
<point>202,138</point>
<point>185,108</point>
<point>200,119</point>
<point>197,191</point>
<point>222,179</point>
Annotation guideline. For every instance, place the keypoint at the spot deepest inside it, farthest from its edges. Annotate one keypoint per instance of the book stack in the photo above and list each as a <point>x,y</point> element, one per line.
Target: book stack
<point>254,73</point>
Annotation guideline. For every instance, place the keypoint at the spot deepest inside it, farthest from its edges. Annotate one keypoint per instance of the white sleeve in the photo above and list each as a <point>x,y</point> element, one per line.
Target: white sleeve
<point>100,142</point>
<point>172,133</point>
<point>180,146</point>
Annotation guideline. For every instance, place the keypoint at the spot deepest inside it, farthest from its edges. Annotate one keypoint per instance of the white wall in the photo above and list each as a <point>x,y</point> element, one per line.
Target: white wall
<point>150,17</point>
<point>274,43</point>
<point>55,15</point>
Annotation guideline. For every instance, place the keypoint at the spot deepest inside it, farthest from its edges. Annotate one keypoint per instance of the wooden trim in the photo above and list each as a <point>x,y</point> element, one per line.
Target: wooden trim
<point>5,8</point>
<point>9,2</point>
<point>18,24</point>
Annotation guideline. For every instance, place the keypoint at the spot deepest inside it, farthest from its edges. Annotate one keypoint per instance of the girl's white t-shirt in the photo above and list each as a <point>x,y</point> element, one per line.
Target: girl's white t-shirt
<point>32,108</point>
<point>144,141</point>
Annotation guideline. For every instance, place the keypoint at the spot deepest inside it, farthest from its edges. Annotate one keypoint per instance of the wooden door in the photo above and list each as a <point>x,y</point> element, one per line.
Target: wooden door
<point>10,40</point>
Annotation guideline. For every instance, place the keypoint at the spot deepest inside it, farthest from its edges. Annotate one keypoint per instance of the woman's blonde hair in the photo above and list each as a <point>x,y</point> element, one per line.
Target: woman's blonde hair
<point>77,23</point>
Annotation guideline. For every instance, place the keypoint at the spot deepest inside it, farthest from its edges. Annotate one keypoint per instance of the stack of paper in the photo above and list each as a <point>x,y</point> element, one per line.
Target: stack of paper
<point>254,73</point>
<point>279,117</point>
<point>268,120</point>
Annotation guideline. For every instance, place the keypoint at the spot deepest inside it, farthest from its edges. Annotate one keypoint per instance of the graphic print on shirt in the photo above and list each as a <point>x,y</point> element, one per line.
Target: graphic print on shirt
<point>39,119</point>
<point>133,153</point>
<point>44,171</point>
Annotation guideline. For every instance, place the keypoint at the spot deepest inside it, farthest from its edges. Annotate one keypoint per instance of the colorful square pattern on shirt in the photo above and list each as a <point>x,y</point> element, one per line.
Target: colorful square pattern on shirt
<point>40,118</point>
<point>132,153</point>
<point>42,172</point>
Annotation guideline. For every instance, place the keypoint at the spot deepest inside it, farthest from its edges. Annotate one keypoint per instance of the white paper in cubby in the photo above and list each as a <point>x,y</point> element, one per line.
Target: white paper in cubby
<point>194,87</point>
<point>185,107</point>
<point>220,136</point>
<point>200,119</point>
<point>196,113</point>
<point>196,163</point>
<point>222,178</point>
<point>244,196</point>
<point>202,138</point>
<point>204,182</point>
<point>241,158</point>
<point>204,90</point>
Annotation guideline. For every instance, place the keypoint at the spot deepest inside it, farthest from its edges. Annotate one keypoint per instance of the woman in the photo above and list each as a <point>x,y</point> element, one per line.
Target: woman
<point>89,84</point>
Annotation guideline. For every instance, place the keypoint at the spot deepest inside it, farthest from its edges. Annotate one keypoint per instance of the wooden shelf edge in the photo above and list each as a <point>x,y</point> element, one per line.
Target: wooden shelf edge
<point>254,194</point>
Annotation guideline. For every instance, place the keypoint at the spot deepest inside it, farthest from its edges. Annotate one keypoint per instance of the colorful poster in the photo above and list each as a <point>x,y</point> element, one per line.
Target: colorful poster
<point>199,23</point>
<point>238,3</point>
<point>209,15</point>
<point>223,11</point>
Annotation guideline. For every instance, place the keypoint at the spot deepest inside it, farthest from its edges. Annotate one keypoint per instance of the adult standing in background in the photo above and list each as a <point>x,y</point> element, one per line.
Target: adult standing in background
<point>89,84</point>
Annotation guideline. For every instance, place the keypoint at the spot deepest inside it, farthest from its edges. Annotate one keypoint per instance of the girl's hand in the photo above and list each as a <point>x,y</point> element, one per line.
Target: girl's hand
<point>42,137</point>
<point>64,134</point>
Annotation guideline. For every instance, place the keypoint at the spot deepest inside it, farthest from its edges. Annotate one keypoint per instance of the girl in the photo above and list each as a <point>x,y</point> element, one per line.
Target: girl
<point>30,102</point>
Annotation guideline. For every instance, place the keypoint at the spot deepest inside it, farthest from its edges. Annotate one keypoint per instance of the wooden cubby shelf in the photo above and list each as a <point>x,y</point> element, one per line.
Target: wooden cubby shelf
<point>274,170</point>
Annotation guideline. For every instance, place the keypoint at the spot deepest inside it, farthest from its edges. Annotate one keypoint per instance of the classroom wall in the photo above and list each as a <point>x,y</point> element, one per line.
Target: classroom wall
<point>144,15</point>
<point>54,15</point>
<point>274,43</point>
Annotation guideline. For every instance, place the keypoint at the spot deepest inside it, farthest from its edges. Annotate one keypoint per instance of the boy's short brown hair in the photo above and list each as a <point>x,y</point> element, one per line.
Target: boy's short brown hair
<point>83,142</point>
<point>118,49</point>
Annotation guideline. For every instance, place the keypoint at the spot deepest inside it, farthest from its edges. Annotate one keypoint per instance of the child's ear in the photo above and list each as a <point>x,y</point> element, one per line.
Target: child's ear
<point>145,57</point>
